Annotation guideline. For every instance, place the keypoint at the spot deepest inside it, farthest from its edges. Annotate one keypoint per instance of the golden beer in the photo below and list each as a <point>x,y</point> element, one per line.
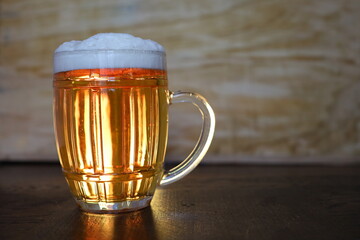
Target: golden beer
<point>111,127</point>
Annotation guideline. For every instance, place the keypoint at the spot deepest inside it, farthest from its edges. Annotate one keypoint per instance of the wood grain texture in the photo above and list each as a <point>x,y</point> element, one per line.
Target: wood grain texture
<point>214,202</point>
<point>283,76</point>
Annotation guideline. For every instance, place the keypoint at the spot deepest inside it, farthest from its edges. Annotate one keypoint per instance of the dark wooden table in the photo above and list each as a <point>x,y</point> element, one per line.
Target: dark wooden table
<point>213,202</point>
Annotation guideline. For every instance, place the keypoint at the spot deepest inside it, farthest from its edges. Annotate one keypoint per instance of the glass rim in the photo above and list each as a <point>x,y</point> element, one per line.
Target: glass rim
<point>125,50</point>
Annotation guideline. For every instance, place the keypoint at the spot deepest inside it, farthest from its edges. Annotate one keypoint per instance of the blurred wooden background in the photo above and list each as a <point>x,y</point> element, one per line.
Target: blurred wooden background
<point>282,76</point>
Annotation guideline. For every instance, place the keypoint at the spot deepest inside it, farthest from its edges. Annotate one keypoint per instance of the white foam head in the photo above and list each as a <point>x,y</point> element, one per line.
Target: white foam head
<point>109,50</point>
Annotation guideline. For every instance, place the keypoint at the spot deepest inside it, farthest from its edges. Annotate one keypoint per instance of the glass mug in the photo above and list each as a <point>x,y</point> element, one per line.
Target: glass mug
<point>111,121</point>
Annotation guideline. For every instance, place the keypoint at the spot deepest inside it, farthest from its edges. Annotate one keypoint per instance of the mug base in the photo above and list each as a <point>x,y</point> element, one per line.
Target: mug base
<point>114,207</point>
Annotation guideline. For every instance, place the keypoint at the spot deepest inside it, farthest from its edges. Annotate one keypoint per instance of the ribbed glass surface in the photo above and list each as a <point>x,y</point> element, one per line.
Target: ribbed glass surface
<point>111,131</point>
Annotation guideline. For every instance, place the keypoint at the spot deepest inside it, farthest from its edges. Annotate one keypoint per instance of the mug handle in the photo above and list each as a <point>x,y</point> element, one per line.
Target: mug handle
<point>203,143</point>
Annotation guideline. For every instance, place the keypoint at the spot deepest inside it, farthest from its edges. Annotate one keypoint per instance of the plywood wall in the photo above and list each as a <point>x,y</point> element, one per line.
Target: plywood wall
<point>282,76</point>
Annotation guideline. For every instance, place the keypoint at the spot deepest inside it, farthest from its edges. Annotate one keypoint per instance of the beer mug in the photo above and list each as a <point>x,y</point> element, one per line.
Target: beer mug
<point>111,103</point>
